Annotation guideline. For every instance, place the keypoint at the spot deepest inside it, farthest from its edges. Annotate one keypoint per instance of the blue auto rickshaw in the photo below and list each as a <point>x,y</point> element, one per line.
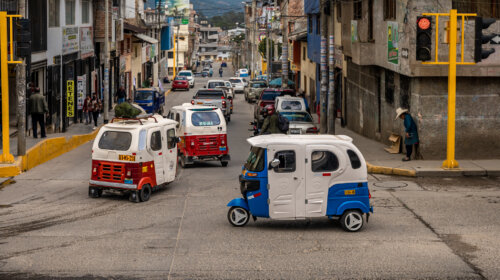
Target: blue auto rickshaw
<point>292,177</point>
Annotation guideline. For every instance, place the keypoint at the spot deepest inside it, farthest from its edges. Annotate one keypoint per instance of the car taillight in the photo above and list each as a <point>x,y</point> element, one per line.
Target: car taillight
<point>223,103</point>
<point>261,104</point>
<point>312,130</point>
<point>94,171</point>
<point>369,195</point>
<point>192,102</point>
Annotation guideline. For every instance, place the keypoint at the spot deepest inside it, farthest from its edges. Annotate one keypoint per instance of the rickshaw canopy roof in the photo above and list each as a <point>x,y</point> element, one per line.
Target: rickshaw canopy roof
<point>263,141</point>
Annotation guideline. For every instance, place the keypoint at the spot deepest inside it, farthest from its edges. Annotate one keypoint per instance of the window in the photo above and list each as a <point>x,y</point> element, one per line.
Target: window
<point>255,160</point>
<point>389,86</point>
<point>303,53</point>
<point>324,161</point>
<point>339,11</point>
<point>208,118</point>
<point>156,141</point>
<point>287,161</point>
<point>389,9</point>
<point>318,25</point>
<point>54,13</point>
<point>70,12</point>
<point>486,8</point>
<point>353,157</point>
<point>291,105</point>
<point>115,140</point>
<point>170,54</point>
<point>171,140</point>
<point>357,9</point>
<point>86,11</point>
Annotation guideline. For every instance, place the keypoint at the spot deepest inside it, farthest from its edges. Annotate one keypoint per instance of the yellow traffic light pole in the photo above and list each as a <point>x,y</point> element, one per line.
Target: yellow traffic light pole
<point>450,161</point>
<point>5,60</point>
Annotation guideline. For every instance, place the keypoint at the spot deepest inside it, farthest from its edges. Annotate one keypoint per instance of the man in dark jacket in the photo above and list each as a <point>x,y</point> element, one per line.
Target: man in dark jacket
<point>270,125</point>
<point>38,108</point>
<point>120,95</point>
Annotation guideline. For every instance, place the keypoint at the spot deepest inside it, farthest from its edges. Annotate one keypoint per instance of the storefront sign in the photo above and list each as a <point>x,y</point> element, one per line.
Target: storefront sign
<point>152,53</point>
<point>392,42</point>
<point>86,42</point>
<point>354,31</point>
<point>81,86</point>
<point>70,98</point>
<point>70,40</point>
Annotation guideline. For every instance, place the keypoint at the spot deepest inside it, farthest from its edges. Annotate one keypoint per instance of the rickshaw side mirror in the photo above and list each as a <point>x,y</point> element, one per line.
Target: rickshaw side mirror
<point>274,163</point>
<point>177,140</point>
<point>204,86</point>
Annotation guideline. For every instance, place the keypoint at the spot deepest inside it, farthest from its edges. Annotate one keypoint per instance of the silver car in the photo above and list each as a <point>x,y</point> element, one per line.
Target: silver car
<point>300,122</point>
<point>252,92</point>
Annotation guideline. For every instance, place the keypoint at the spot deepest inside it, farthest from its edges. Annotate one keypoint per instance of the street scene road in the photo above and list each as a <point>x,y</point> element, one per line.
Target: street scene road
<point>442,228</point>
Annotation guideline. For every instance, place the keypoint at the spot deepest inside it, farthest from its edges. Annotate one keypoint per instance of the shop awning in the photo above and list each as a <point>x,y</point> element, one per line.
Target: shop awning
<point>146,38</point>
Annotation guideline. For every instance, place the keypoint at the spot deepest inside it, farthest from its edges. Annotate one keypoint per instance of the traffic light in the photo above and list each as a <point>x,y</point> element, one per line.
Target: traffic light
<point>424,38</point>
<point>23,37</point>
<point>480,39</point>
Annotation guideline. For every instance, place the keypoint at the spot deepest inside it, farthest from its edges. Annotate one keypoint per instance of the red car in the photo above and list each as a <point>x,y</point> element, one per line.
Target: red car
<point>180,83</point>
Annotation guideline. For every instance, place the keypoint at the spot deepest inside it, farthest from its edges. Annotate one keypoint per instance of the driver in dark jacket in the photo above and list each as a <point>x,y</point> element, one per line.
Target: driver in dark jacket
<point>270,125</point>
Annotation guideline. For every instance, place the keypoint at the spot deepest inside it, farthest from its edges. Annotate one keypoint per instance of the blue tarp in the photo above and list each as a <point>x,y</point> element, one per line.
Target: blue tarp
<point>311,6</point>
<point>278,82</point>
<point>167,36</point>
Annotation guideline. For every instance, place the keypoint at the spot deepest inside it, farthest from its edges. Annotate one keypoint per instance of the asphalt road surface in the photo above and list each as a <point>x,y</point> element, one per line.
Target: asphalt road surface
<point>425,228</point>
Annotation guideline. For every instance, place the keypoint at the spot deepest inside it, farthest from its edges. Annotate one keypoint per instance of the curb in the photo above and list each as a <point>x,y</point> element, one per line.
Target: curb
<point>44,151</point>
<point>375,169</point>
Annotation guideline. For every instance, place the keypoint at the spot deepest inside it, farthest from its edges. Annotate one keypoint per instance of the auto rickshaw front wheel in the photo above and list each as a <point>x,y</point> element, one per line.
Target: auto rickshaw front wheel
<point>145,193</point>
<point>352,220</point>
<point>238,216</point>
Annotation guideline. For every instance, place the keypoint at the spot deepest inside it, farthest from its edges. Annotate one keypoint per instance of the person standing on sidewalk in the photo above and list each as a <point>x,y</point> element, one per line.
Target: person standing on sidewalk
<point>221,71</point>
<point>120,95</point>
<point>86,109</point>
<point>38,108</point>
<point>411,132</point>
<point>95,106</point>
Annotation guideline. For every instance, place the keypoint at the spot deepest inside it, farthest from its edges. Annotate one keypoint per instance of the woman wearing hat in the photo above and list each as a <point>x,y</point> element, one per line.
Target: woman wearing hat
<point>411,133</point>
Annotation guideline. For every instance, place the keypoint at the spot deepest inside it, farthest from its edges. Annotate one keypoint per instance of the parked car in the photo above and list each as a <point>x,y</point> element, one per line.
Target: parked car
<point>151,100</point>
<point>189,75</point>
<point>180,82</point>
<point>300,122</point>
<point>238,84</point>
<point>267,97</point>
<point>252,92</point>
<point>213,98</point>
<point>205,72</point>
<point>223,64</point>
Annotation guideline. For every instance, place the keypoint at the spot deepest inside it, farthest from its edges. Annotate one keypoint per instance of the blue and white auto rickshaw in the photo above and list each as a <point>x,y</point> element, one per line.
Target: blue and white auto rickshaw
<point>292,177</point>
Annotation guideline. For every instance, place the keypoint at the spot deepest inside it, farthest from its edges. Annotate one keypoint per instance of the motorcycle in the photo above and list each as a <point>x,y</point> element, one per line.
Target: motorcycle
<point>255,129</point>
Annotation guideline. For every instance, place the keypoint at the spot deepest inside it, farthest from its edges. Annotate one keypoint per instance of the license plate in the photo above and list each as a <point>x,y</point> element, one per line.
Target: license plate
<point>128,181</point>
<point>349,192</point>
<point>295,131</point>
<point>126,157</point>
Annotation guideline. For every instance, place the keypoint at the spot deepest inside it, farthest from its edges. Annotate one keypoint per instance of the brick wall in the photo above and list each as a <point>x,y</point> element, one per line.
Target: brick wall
<point>99,11</point>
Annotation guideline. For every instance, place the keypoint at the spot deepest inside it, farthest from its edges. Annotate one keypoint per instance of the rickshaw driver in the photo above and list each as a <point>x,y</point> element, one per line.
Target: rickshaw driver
<point>270,125</point>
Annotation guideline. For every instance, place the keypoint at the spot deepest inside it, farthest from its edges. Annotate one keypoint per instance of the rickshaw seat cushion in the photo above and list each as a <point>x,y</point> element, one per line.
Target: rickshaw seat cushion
<point>240,202</point>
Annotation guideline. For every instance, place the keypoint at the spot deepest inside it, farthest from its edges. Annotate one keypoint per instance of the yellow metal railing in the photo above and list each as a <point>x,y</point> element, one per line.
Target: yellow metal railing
<point>450,161</point>
<point>6,41</point>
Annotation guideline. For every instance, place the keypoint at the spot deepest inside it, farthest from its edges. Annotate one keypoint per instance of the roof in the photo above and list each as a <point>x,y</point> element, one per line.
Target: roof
<point>146,38</point>
<point>131,27</point>
<point>264,140</point>
<point>189,106</point>
<point>135,124</point>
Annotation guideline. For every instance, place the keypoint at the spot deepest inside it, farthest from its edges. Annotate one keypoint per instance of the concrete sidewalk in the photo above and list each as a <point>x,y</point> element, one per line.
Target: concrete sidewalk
<point>380,161</point>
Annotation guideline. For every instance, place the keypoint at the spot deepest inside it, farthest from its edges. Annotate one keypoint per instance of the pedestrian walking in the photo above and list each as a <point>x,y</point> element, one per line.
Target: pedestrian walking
<point>86,109</point>
<point>221,72</point>
<point>411,132</point>
<point>270,125</point>
<point>120,95</point>
<point>95,106</point>
<point>38,108</point>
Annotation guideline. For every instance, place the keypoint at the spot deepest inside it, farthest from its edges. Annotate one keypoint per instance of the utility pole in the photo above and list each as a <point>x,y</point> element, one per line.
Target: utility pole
<point>254,43</point>
<point>159,42</point>
<point>284,61</point>
<point>106,61</point>
<point>268,56</point>
<point>324,82</point>
<point>331,80</point>
<point>21,95</point>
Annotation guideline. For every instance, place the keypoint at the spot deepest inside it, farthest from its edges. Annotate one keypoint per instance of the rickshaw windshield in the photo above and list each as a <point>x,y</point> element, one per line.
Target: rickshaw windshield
<point>144,95</point>
<point>115,140</point>
<point>255,161</point>
<point>205,119</point>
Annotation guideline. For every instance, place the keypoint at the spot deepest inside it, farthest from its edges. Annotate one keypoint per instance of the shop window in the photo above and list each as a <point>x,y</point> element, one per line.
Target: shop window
<point>287,161</point>
<point>324,161</point>
<point>389,9</point>
<point>156,141</point>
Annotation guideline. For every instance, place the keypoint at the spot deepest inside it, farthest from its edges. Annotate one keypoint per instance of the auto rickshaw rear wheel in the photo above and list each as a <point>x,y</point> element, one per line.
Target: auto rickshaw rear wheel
<point>95,192</point>
<point>224,163</point>
<point>145,193</point>
<point>352,220</point>
<point>238,216</point>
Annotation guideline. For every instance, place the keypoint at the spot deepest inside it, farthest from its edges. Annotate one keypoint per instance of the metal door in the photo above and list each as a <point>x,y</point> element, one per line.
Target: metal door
<point>155,141</point>
<point>170,156</point>
<point>286,182</point>
<point>324,164</point>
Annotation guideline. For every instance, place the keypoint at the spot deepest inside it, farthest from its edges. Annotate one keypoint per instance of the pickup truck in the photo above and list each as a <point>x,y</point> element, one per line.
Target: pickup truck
<point>214,98</point>
<point>151,100</point>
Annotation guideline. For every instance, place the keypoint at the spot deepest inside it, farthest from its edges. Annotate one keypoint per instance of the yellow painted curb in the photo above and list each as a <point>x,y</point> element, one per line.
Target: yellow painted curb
<point>375,169</point>
<point>44,151</point>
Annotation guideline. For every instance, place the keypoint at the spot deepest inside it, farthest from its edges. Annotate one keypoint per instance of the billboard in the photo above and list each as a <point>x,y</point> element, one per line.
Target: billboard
<point>178,8</point>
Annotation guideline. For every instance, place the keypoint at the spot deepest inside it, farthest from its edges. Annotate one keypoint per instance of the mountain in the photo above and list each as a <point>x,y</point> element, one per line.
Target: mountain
<point>208,8</point>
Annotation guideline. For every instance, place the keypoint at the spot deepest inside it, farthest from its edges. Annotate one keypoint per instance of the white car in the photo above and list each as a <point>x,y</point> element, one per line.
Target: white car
<point>294,109</point>
<point>238,84</point>
<point>189,75</point>
<point>289,103</point>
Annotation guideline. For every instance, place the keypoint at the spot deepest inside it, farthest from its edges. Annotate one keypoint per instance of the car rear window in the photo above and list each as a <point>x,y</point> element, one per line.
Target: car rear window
<point>180,78</point>
<point>291,105</point>
<point>209,118</point>
<point>115,140</point>
<point>235,81</point>
<point>215,84</point>
<point>185,74</point>
<point>270,95</point>
<point>209,94</point>
<point>258,85</point>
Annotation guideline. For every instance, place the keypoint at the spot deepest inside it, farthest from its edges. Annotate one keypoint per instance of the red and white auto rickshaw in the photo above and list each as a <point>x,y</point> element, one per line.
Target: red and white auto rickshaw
<point>134,156</point>
<point>202,132</point>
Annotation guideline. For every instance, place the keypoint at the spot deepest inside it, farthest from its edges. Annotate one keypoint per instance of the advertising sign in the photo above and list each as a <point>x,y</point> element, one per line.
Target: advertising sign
<point>81,86</point>
<point>179,8</point>
<point>70,42</point>
<point>70,98</point>
<point>354,31</point>
<point>86,42</point>
<point>392,42</point>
